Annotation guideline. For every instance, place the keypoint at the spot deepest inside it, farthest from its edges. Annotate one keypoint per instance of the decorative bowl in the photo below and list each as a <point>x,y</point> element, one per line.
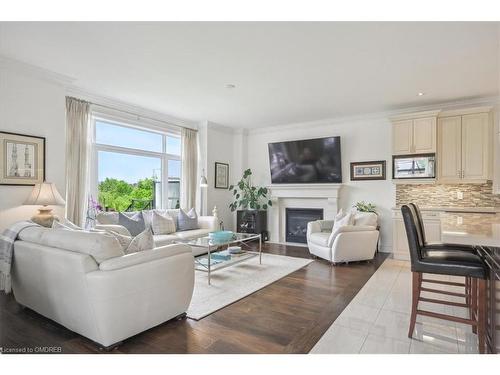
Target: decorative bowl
<point>221,236</point>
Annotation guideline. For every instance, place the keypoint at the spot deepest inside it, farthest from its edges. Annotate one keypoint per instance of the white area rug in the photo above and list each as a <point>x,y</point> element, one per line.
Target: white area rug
<point>236,282</point>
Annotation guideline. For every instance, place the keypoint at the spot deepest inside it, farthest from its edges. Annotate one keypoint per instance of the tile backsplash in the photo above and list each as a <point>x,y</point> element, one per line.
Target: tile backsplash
<point>443,195</point>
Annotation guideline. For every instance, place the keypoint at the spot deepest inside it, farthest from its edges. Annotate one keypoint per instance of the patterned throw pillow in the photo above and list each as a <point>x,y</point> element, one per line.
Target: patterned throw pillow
<point>143,241</point>
<point>187,221</point>
<point>162,224</point>
<point>134,224</point>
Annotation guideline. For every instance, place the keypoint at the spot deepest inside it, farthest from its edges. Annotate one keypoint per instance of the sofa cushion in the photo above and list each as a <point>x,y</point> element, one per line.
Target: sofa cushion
<point>366,218</point>
<point>187,221</point>
<point>143,241</point>
<point>320,238</point>
<point>162,223</point>
<point>164,239</point>
<point>194,233</point>
<point>99,245</point>
<point>135,224</point>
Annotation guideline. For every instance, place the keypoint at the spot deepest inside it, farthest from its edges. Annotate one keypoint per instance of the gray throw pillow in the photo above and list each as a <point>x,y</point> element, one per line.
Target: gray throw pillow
<point>187,221</point>
<point>135,224</point>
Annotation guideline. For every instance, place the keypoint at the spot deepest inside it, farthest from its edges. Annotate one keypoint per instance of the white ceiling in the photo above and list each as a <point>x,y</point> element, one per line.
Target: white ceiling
<point>283,72</point>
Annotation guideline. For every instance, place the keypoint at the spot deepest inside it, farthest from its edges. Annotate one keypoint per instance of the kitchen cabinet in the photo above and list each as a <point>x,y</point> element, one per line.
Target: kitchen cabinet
<point>414,135</point>
<point>464,148</point>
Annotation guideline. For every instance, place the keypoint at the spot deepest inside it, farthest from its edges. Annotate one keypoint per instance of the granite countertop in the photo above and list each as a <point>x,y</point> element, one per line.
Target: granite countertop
<point>471,229</point>
<point>457,209</point>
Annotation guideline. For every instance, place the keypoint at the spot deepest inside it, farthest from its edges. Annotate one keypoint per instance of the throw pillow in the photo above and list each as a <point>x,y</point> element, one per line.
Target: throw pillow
<point>143,241</point>
<point>134,224</point>
<point>187,221</point>
<point>162,224</point>
<point>340,221</point>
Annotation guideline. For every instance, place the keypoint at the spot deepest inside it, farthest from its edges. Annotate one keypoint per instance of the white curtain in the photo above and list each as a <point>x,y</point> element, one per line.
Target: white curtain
<point>78,155</point>
<point>189,168</point>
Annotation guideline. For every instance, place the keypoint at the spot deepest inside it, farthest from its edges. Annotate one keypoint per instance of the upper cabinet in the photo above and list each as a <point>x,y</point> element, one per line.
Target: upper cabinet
<point>465,146</point>
<point>414,133</point>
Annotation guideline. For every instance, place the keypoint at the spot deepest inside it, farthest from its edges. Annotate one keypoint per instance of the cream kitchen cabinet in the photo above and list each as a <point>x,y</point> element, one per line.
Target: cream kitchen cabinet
<point>414,134</point>
<point>432,227</point>
<point>465,148</point>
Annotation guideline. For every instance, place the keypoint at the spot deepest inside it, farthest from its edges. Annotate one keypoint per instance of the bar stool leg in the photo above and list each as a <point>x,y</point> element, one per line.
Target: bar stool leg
<point>481,315</point>
<point>416,284</point>
<point>474,304</point>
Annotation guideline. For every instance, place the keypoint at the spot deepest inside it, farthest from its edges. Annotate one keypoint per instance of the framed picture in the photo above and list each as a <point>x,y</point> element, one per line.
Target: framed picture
<point>368,170</point>
<point>22,159</point>
<point>221,175</point>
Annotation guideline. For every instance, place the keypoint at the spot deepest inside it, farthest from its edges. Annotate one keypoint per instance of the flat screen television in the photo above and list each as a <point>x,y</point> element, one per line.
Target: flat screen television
<point>306,161</point>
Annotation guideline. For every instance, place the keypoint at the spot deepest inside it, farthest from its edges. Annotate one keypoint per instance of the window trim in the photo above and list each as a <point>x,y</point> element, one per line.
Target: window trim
<point>163,155</point>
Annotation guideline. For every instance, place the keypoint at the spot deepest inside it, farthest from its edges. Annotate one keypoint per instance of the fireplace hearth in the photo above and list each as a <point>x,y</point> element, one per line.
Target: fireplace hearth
<point>296,222</point>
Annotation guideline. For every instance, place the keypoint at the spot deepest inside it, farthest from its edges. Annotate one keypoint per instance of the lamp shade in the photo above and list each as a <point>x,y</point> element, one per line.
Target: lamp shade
<point>203,180</point>
<point>45,194</point>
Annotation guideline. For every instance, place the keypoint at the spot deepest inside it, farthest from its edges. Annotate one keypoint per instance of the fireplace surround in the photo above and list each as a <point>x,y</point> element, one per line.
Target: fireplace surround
<point>313,196</point>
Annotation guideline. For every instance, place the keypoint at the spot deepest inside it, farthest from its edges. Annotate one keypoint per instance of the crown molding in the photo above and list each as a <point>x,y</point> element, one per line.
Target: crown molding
<point>34,71</point>
<point>493,101</point>
<point>117,106</point>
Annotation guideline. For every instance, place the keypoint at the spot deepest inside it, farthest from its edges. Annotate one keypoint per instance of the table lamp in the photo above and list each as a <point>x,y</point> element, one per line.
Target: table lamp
<point>44,194</point>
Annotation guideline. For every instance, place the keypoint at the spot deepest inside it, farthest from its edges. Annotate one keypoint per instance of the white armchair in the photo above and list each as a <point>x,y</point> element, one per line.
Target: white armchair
<point>345,244</point>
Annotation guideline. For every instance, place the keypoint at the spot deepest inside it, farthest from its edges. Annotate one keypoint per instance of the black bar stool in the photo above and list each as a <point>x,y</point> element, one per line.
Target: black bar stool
<point>437,246</point>
<point>449,262</point>
<point>443,247</point>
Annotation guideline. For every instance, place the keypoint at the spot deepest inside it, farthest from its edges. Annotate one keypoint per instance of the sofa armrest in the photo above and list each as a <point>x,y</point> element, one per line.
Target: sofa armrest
<point>120,229</point>
<point>144,256</point>
<point>208,222</point>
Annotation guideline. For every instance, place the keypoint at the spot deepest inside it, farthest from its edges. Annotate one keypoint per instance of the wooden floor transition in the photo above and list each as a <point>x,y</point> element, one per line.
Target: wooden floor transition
<point>288,316</point>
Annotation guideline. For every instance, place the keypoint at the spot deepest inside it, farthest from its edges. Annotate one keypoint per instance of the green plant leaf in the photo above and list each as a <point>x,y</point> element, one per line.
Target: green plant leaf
<point>269,203</point>
<point>237,196</point>
<point>264,206</point>
<point>231,187</point>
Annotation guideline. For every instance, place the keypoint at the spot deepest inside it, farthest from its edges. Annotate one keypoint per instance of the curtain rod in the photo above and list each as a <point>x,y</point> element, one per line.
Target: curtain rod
<point>136,115</point>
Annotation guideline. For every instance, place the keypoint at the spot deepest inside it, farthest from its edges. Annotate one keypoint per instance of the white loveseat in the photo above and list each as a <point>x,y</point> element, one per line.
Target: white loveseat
<point>83,281</point>
<point>207,224</point>
<point>349,243</point>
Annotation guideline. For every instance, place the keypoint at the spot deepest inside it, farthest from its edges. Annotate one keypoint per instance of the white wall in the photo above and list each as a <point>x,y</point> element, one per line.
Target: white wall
<point>222,146</point>
<point>34,106</point>
<point>361,140</point>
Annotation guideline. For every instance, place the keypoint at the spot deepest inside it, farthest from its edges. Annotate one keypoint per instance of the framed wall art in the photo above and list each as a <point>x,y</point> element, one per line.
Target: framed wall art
<point>368,170</point>
<point>221,175</point>
<point>22,159</point>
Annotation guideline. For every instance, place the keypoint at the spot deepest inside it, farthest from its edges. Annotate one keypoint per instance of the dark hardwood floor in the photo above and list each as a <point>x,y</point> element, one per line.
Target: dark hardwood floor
<point>288,316</point>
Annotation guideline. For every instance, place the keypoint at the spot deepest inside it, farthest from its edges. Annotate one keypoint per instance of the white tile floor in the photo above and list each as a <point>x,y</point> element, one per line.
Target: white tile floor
<point>377,319</point>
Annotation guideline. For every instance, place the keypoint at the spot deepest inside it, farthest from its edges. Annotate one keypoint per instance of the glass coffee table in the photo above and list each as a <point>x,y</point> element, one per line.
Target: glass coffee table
<point>218,257</point>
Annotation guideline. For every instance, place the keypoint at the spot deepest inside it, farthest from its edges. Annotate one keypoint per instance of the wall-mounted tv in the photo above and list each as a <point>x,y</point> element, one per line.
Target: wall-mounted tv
<point>306,161</point>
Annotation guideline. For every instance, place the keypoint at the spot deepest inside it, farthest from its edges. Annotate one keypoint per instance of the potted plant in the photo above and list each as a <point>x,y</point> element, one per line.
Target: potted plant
<point>249,197</point>
<point>365,207</point>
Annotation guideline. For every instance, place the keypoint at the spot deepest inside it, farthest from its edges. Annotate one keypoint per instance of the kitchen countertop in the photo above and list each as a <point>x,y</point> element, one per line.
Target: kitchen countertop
<point>471,229</point>
<point>457,209</point>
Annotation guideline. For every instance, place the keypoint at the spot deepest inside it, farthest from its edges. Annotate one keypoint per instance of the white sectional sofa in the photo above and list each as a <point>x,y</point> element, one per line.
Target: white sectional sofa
<point>83,281</point>
<point>109,220</point>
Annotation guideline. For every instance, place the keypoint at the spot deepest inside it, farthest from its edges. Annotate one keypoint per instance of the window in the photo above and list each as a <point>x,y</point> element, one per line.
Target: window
<point>130,165</point>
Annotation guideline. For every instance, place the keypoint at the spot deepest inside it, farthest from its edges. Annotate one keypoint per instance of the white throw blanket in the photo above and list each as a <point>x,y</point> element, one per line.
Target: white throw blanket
<point>7,239</point>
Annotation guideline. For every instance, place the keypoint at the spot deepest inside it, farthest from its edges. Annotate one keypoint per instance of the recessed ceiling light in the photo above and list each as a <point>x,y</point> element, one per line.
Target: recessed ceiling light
<point>421,93</point>
<point>230,86</point>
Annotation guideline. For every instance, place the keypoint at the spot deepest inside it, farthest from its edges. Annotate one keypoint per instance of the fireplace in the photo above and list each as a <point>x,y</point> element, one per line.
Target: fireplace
<point>296,222</point>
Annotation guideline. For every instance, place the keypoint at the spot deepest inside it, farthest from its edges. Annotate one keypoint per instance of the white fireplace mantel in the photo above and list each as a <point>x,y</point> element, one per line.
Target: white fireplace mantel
<point>285,196</point>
